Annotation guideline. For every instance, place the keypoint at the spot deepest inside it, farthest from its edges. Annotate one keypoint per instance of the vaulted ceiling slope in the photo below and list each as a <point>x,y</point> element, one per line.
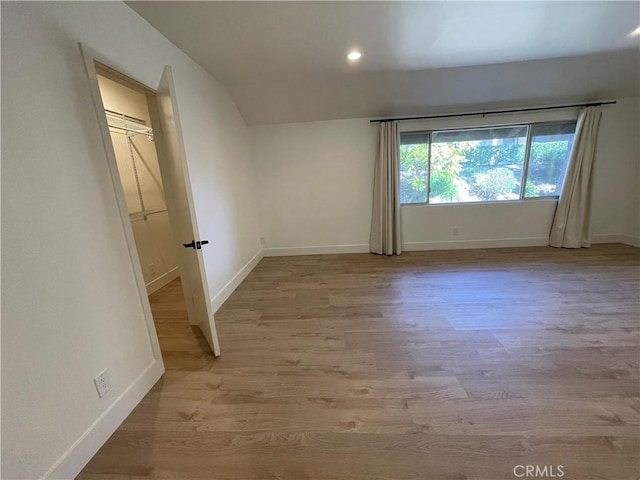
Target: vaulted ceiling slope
<point>285,61</point>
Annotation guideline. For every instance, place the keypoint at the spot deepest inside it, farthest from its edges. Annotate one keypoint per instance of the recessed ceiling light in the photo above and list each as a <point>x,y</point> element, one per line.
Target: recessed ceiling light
<point>354,55</point>
<point>636,31</point>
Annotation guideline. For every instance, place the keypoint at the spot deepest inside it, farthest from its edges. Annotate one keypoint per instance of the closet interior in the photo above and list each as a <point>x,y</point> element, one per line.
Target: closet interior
<point>133,143</point>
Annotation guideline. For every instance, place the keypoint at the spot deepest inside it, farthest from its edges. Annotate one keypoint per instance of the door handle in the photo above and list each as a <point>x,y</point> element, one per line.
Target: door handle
<point>196,245</point>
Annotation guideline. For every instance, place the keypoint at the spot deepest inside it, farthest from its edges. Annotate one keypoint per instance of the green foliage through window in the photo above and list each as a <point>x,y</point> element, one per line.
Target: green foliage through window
<point>484,164</point>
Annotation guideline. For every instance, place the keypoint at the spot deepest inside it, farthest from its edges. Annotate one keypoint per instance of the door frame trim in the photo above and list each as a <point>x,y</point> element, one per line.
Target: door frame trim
<point>90,58</point>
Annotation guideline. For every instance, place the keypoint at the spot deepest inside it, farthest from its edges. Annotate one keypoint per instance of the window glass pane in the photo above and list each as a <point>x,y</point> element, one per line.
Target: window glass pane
<point>550,150</point>
<point>414,167</point>
<point>414,138</point>
<point>477,165</point>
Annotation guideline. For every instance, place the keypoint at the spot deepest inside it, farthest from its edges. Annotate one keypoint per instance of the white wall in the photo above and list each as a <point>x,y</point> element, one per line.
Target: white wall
<point>315,189</point>
<point>616,174</point>
<point>153,236</point>
<point>69,301</point>
<point>315,185</point>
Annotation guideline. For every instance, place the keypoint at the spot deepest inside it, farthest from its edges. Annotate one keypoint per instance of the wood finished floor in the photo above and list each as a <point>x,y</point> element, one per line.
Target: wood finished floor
<point>432,365</point>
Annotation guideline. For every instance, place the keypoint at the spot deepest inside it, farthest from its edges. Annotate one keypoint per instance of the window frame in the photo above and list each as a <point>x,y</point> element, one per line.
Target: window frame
<point>525,166</point>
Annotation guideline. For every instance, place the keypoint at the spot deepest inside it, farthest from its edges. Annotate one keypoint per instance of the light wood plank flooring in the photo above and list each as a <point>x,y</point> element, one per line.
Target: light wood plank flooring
<point>432,365</point>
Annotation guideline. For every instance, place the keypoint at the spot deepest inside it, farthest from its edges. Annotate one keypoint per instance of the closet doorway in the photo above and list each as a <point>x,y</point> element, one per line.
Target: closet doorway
<point>134,147</point>
<point>145,155</point>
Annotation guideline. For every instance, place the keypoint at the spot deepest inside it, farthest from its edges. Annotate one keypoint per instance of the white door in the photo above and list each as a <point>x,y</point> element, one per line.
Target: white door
<point>175,178</point>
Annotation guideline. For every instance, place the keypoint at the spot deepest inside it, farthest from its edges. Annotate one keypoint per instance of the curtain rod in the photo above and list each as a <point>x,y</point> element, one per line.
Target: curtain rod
<point>493,112</point>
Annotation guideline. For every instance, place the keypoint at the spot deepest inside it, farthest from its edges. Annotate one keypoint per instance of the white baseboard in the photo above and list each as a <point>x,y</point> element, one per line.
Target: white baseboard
<point>616,238</point>
<point>162,280</point>
<point>410,246</point>
<point>78,455</point>
<point>319,250</point>
<point>228,289</point>
<point>484,243</point>
<point>446,245</point>
<point>631,240</point>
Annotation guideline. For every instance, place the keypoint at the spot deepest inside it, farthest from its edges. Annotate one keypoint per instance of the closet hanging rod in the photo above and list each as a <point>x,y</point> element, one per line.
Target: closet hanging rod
<point>147,131</point>
<point>493,112</point>
<point>140,127</point>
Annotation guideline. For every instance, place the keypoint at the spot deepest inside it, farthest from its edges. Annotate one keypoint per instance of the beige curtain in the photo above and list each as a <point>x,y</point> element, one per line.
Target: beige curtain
<point>385,236</point>
<point>571,227</point>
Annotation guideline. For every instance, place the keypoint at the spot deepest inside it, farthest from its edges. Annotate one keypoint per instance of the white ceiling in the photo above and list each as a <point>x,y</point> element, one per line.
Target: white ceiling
<point>271,54</point>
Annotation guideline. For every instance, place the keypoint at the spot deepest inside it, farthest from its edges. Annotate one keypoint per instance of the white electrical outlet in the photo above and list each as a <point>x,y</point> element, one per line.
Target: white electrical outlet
<point>103,383</point>
<point>456,231</point>
<point>152,268</point>
<point>263,241</point>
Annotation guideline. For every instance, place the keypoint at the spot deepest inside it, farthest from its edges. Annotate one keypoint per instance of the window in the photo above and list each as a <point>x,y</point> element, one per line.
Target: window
<point>484,164</point>
<point>548,159</point>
